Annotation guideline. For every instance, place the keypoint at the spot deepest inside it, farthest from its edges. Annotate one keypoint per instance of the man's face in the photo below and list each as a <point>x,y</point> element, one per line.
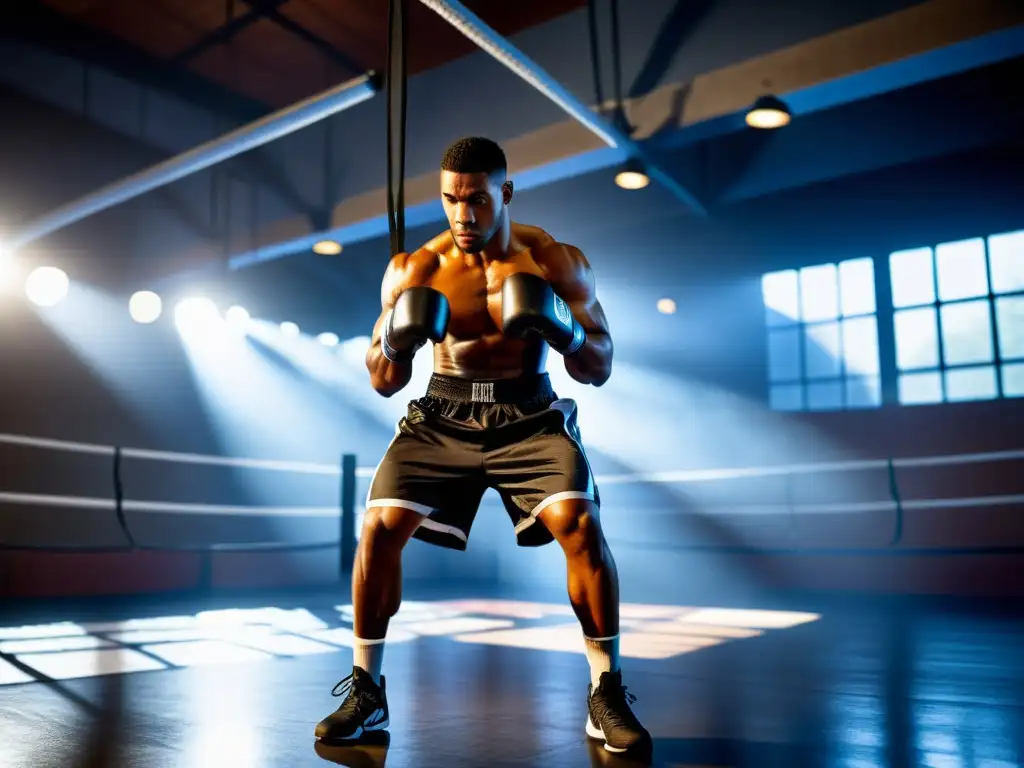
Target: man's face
<point>473,203</point>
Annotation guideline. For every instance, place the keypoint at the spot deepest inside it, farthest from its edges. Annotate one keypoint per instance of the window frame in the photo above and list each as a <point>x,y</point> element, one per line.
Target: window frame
<point>843,378</point>
<point>996,363</point>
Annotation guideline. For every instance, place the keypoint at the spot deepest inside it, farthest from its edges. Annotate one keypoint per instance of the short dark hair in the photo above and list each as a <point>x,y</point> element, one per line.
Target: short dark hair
<point>474,154</point>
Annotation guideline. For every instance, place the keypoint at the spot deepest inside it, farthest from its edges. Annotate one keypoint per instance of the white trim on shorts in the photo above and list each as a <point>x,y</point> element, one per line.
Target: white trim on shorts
<point>412,506</point>
<point>426,522</point>
<point>565,407</point>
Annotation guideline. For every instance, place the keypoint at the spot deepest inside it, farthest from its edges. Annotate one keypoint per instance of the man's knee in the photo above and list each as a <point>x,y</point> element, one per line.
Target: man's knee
<point>576,527</point>
<point>388,529</point>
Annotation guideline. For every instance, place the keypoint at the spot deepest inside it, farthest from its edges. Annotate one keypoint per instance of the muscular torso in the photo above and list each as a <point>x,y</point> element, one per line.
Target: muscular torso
<point>475,346</point>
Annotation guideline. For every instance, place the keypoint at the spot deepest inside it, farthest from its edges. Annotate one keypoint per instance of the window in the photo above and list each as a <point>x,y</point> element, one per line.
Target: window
<point>959,320</point>
<point>822,337</point>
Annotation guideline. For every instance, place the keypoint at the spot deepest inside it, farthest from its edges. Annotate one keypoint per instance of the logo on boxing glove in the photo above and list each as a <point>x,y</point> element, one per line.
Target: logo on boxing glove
<point>562,311</point>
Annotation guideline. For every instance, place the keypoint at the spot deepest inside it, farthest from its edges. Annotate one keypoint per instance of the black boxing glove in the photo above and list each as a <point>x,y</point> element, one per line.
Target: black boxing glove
<point>420,315</point>
<point>530,304</point>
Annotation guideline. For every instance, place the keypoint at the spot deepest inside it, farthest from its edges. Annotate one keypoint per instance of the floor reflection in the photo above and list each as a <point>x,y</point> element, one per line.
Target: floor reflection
<point>503,683</point>
<point>370,751</point>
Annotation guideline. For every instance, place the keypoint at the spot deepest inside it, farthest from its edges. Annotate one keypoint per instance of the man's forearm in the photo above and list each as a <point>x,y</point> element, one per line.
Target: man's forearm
<point>592,364</point>
<point>386,377</point>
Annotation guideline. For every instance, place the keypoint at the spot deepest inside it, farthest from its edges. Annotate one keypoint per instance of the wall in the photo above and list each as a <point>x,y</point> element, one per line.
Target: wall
<point>688,392</point>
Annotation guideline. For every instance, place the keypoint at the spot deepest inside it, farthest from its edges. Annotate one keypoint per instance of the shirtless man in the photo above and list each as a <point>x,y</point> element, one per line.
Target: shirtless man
<point>492,296</point>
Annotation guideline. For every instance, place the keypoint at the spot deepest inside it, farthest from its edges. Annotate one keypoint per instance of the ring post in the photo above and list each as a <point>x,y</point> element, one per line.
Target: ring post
<point>348,512</point>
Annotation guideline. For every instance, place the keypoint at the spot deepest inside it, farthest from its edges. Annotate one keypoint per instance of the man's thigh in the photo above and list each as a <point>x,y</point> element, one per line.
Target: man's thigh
<point>434,475</point>
<point>542,465</point>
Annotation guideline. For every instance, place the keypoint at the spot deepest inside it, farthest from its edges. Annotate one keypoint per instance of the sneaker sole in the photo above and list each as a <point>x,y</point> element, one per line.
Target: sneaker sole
<point>596,733</point>
<point>365,729</point>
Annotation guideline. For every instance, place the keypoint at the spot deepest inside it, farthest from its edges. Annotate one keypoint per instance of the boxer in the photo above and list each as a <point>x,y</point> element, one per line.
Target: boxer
<point>492,296</point>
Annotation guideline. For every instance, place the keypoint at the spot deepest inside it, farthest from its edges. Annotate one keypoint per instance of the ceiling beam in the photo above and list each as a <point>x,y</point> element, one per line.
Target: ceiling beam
<point>33,22</point>
<point>224,33</point>
<point>270,9</point>
<point>928,41</point>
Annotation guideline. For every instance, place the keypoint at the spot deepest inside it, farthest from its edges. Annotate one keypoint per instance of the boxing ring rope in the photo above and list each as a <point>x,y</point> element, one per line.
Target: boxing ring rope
<point>345,511</point>
<point>348,473</point>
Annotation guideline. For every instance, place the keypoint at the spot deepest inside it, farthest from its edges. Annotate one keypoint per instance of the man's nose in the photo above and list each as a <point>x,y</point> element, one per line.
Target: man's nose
<point>464,214</point>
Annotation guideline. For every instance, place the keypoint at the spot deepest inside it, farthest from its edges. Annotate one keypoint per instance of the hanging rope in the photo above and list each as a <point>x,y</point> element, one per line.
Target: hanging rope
<point>396,84</point>
<point>595,54</point>
<point>618,107</point>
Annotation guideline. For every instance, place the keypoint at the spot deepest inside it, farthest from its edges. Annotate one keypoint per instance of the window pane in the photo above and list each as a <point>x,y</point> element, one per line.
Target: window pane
<point>966,333</point>
<point>857,287</point>
<point>1010,322</point>
<point>860,345</point>
<point>1006,260</point>
<point>962,271</point>
<point>920,388</point>
<point>917,339</point>
<point>1013,380</point>
<point>863,392</point>
<point>784,355</point>
<point>825,396</point>
<point>971,384</point>
<point>912,277</point>
<point>781,294</point>
<point>787,397</point>
<point>819,292</point>
<point>821,351</point>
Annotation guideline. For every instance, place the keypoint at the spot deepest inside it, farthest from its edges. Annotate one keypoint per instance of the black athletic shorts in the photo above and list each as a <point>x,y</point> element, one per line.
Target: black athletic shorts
<point>464,437</point>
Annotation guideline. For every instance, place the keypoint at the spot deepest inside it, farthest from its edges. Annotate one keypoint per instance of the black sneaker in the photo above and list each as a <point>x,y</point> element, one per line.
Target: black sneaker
<point>364,709</point>
<point>611,720</point>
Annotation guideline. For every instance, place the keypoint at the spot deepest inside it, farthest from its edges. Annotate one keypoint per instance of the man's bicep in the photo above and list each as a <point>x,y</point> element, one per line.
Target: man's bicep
<point>577,286</point>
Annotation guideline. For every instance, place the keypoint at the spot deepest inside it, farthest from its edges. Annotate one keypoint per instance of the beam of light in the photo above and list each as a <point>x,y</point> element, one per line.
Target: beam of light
<point>643,421</point>
<point>131,360</point>
<point>10,272</point>
<point>145,307</point>
<point>258,405</point>
<point>328,339</point>
<point>47,286</point>
<point>197,316</point>
<point>652,421</point>
<point>237,319</point>
<point>343,370</point>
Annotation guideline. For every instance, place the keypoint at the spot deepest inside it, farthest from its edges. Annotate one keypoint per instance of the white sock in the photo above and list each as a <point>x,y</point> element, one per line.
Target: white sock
<point>368,655</point>
<point>603,656</point>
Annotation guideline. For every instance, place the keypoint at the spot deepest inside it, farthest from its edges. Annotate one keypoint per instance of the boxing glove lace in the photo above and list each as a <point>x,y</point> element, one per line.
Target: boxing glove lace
<point>530,305</point>
<point>420,315</point>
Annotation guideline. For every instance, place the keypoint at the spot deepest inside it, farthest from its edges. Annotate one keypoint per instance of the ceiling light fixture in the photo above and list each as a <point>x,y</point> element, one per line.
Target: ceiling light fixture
<point>768,112</point>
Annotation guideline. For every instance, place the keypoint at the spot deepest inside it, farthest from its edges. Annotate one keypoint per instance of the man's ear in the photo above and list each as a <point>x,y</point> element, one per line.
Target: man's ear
<point>507,190</point>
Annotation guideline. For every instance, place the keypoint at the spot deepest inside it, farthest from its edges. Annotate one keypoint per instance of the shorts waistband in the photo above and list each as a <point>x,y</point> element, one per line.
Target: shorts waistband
<point>522,389</point>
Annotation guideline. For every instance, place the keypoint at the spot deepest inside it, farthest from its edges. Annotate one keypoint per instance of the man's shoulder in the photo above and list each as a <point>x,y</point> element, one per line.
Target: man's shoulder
<point>423,258</point>
<point>531,234</point>
<point>559,256</point>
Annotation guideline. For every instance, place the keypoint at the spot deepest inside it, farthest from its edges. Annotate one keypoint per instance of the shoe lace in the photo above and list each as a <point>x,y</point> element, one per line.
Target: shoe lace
<point>615,701</point>
<point>359,696</point>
